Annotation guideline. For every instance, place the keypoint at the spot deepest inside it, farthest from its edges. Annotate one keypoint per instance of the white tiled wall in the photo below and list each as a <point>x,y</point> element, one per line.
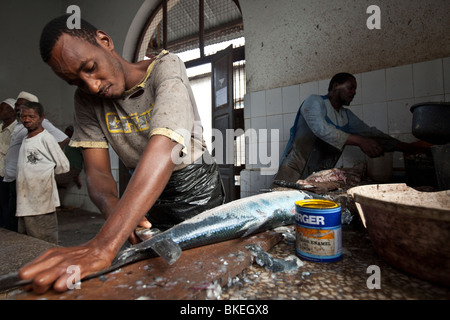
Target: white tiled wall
<point>383,99</point>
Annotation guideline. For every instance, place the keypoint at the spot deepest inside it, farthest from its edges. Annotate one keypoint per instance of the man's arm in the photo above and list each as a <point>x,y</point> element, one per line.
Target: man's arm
<point>314,112</point>
<point>374,142</point>
<point>62,164</point>
<point>145,187</point>
<point>101,185</point>
<point>369,146</point>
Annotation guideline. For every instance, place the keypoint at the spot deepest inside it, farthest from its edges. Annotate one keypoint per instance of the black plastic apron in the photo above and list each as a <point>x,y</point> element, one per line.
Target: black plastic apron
<point>190,191</point>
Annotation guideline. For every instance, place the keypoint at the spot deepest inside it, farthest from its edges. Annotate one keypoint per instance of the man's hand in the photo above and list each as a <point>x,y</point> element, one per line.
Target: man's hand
<point>369,146</point>
<point>133,238</point>
<point>51,268</point>
<point>419,147</point>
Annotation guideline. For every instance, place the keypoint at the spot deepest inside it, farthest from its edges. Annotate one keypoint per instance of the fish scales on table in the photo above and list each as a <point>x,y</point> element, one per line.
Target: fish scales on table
<point>236,219</point>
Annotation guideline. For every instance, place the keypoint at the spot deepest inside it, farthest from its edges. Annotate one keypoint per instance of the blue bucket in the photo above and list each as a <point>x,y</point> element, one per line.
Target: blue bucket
<point>318,230</point>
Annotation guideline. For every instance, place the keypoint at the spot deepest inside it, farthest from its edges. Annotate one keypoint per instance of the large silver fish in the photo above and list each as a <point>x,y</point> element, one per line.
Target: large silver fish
<point>233,220</point>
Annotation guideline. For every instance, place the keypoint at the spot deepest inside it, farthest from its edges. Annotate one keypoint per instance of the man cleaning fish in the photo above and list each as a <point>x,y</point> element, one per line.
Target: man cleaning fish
<point>111,92</point>
<point>323,127</point>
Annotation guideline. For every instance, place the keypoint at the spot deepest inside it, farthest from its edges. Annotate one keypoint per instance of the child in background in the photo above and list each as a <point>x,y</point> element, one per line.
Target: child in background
<point>40,158</point>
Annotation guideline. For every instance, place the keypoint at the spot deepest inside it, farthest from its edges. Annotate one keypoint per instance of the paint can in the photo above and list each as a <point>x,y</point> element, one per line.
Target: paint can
<point>318,230</point>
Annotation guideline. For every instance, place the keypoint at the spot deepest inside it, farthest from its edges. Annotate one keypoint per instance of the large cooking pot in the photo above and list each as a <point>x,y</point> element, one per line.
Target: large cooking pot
<point>431,122</point>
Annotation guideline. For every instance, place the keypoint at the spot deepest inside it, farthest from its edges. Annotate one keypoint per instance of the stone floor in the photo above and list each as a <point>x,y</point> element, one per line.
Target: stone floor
<point>77,226</point>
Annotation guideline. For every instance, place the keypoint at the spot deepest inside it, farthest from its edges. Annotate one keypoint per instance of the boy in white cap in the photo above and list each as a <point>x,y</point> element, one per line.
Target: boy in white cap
<point>8,119</point>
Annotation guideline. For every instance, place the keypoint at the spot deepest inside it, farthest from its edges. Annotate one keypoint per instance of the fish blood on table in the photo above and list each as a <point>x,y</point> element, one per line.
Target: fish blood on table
<point>318,230</point>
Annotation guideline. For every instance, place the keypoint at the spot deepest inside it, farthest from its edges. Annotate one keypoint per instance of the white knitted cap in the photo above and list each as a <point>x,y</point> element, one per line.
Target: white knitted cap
<point>11,102</point>
<point>28,96</point>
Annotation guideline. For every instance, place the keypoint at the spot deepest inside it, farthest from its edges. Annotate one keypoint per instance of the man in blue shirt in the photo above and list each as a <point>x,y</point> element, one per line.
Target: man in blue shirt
<point>323,128</point>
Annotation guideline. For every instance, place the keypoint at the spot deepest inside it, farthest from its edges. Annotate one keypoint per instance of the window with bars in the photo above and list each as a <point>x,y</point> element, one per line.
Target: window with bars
<point>185,25</point>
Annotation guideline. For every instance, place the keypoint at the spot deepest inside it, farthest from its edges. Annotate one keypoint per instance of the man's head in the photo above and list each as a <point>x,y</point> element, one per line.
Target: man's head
<point>343,88</point>
<point>7,110</point>
<point>22,98</point>
<point>57,27</point>
<point>83,57</point>
<point>32,115</point>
